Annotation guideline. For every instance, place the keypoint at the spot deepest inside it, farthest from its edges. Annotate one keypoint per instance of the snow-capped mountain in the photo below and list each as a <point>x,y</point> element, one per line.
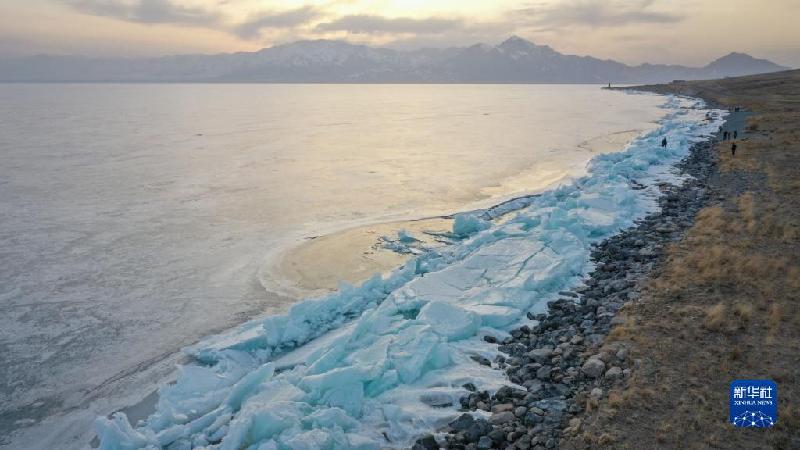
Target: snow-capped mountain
<point>515,60</point>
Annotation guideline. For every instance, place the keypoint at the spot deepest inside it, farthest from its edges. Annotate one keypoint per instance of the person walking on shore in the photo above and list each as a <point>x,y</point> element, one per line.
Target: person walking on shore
<point>735,133</point>
<point>733,149</point>
<point>663,142</point>
<point>724,135</point>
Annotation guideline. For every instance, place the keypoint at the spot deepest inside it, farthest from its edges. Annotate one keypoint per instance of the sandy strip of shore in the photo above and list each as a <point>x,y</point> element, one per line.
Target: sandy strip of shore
<point>319,264</point>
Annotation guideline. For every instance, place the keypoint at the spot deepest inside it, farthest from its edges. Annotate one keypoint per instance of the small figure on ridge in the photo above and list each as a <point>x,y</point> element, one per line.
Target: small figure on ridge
<point>733,149</point>
<point>663,142</point>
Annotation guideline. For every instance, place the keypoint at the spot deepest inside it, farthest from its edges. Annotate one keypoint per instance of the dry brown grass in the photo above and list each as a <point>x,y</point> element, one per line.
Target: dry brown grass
<point>716,317</point>
<point>747,209</point>
<point>743,312</point>
<point>745,159</point>
<point>726,304</point>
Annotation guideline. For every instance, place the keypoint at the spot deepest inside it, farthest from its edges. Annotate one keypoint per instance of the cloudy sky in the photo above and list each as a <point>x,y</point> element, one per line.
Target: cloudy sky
<point>664,31</point>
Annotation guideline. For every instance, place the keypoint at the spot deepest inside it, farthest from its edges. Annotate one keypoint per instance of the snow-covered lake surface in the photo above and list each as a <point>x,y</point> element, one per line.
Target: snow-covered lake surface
<point>137,219</point>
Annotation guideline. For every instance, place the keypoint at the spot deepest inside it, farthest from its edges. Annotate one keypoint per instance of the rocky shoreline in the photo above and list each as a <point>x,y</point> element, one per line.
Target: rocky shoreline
<point>559,361</point>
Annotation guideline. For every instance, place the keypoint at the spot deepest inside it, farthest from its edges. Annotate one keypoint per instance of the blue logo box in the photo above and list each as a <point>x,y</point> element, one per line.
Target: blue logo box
<point>753,403</point>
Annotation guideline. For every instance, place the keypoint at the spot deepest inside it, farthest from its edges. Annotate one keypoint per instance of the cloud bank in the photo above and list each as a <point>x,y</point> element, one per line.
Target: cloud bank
<point>372,24</point>
<point>595,14</point>
<point>292,18</point>
<point>147,11</point>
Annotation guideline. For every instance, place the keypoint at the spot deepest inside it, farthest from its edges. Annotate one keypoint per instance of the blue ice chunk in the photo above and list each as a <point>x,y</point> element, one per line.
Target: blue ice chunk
<point>449,320</point>
<point>330,418</point>
<point>467,224</point>
<point>118,434</point>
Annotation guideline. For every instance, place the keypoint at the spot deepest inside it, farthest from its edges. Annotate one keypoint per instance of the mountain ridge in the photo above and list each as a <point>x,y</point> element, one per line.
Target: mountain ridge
<point>515,60</point>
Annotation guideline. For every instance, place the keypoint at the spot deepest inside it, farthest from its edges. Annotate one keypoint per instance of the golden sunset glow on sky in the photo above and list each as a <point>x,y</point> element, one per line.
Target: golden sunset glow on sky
<point>634,31</point>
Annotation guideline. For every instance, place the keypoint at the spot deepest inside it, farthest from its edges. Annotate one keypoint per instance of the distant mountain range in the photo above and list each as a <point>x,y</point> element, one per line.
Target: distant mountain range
<point>516,60</point>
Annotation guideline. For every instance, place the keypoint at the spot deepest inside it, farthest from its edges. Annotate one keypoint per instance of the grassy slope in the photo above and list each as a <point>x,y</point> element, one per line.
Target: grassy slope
<point>726,306</point>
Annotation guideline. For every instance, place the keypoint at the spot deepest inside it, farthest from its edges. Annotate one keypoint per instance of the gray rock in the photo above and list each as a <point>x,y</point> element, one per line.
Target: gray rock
<point>533,385</point>
<point>540,355</point>
<point>544,372</point>
<point>596,393</point>
<point>484,443</point>
<point>552,405</point>
<point>497,435</point>
<point>479,428</point>
<point>501,418</point>
<point>524,442</point>
<point>481,360</point>
<point>532,419</point>
<point>613,373</point>
<point>593,367</point>
<point>502,407</point>
<point>426,442</point>
<point>503,393</point>
<point>463,422</point>
<point>520,411</point>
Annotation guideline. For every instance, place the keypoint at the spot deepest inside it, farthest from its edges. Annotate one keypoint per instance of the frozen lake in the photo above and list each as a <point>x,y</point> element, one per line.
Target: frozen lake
<point>136,219</point>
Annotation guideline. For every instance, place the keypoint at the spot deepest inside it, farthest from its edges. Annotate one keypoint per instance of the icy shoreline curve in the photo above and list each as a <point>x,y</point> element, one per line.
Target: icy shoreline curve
<point>379,364</point>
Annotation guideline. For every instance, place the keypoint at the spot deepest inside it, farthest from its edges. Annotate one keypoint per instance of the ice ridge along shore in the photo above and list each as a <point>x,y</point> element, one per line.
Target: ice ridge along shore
<point>380,364</point>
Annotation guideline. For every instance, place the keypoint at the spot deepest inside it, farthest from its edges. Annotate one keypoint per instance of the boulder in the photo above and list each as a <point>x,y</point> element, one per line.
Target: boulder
<point>593,367</point>
<point>613,373</point>
<point>502,407</point>
<point>501,418</point>
<point>426,442</point>
<point>484,443</point>
<point>463,422</point>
